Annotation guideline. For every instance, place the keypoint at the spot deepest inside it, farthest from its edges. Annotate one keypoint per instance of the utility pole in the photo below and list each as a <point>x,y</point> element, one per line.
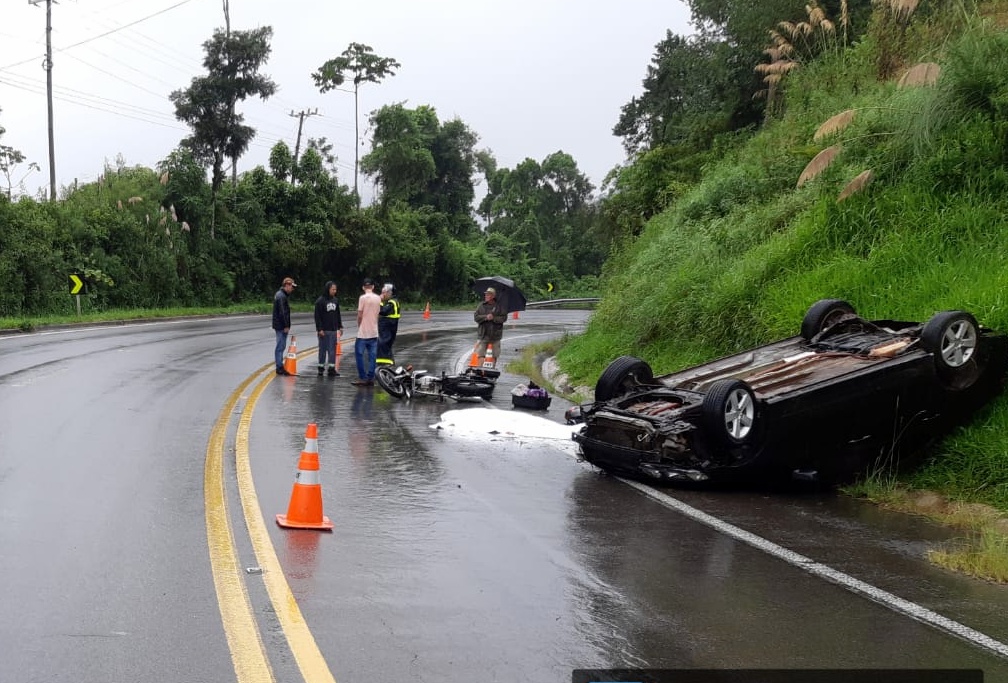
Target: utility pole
<point>47,65</point>
<point>227,33</point>
<point>301,115</point>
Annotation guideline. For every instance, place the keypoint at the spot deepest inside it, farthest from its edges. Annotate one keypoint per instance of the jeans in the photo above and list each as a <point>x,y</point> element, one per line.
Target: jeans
<point>327,349</point>
<point>281,346</point>
<point>370,347</point>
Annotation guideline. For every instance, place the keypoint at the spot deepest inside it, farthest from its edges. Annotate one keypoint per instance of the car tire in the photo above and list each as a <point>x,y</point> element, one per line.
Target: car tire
<point>822,314</point>
<point>729,412</point>
<point>467,388</point>
<point>622,374</point>
<point>391,383</point>
<point>953,339</point>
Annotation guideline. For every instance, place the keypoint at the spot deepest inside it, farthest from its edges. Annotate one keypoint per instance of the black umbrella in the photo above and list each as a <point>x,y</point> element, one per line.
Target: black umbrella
<point>509,296</point>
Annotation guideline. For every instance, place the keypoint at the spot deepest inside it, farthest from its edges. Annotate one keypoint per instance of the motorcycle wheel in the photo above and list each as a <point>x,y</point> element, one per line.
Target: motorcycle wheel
<point>469,388</point>
<point>391,382</point>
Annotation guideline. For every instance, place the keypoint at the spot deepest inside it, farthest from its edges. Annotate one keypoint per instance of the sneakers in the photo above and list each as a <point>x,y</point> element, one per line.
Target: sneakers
<point>321,371</point>
<point>360,383</point>
<point>283,371</point>
<point>333,372</point>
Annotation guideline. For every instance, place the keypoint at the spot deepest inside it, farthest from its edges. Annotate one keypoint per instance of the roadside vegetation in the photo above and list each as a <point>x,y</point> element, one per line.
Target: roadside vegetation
<point>782,153</point>
<point>124,315</point>
<point>879,176</point>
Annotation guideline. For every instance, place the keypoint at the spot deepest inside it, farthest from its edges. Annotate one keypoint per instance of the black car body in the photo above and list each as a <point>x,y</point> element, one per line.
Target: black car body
<point>844,396</point>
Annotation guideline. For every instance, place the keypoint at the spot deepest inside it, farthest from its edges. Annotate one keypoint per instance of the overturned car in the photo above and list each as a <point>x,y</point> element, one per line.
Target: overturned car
<point>844,396</point>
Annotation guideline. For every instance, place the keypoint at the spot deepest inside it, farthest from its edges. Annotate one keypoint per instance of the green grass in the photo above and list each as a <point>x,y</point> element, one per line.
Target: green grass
<point>743,254</point>
<point>27,324</point>
<point>529,363</point>
<point>983,554</point>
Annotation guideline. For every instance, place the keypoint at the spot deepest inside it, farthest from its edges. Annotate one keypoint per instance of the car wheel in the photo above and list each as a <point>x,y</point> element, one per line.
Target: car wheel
<point>822,314</point>
<point>620,376</point>
<point>952,338</point>
<point>390,382</point>
<point>729,412</point>
<point>468,388</point>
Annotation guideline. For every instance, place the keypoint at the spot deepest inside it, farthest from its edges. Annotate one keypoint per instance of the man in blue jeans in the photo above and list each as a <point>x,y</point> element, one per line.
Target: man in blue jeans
<point>282,321</point>
<point>368,306</point>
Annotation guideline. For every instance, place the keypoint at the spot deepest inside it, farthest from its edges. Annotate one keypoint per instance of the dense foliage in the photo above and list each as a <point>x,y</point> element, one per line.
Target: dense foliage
<point>148,238</point>
<point>901,210</point>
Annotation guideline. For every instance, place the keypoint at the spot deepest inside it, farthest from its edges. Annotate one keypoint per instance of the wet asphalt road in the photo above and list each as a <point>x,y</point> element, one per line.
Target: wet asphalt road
<point>453,559</point>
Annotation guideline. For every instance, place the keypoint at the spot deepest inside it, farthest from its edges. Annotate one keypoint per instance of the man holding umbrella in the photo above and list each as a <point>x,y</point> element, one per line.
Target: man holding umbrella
<point>490,316</point>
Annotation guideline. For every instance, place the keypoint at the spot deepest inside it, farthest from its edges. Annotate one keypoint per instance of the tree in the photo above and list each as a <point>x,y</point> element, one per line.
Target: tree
<point>366,67</point>
<point>690,92</point>
<point>232,62</point>
<point>324,149</point>
<point>10,158</point>
<point>401,158</point>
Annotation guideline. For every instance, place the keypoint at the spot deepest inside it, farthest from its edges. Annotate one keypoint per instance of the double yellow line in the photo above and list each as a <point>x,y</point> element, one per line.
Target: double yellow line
<point>248,654</point>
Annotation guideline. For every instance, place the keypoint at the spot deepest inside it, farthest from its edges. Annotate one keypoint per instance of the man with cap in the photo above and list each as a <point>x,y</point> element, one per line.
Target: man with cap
<point>282,321</point>
<point>388,324</point>
<point>490,317</point>
<point>367,335</point>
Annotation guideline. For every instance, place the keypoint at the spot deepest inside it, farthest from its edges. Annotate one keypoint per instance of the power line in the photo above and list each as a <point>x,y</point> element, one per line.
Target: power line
<point>82,100</point>
<point>65,92</point>
<point>102,35</point>
<point>117,77</point>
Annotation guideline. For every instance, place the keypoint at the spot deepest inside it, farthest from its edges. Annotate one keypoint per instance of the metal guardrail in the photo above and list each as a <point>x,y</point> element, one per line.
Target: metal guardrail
<point>560,302</point>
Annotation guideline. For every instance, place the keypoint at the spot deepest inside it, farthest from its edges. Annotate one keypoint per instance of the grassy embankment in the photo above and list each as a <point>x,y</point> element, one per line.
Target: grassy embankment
<point>739,258</point>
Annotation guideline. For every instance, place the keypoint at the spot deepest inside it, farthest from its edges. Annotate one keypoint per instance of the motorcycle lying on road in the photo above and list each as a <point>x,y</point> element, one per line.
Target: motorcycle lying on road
<point>405,382</point>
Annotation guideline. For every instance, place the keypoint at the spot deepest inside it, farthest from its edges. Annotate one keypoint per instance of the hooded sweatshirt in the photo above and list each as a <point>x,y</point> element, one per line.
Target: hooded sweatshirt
<point>327,312</point>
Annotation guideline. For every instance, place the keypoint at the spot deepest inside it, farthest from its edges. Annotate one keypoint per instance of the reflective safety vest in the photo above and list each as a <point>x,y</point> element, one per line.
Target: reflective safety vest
<point>395,309</point>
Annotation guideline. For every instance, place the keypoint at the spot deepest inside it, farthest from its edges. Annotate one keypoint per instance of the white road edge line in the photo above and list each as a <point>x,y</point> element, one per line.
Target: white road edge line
<point>877,595</point>
<point>893,602</point>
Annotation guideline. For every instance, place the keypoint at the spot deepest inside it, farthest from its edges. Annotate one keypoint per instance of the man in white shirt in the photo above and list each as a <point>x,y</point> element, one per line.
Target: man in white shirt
<point>367,335</point>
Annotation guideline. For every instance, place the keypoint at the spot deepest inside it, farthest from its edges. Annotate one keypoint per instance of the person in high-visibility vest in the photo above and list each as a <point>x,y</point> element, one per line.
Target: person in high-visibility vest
<point>388,324</point>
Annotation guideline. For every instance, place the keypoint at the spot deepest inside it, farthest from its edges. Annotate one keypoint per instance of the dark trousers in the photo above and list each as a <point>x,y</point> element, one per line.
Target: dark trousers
<point>281,346</point>
<point>327,349</point>
<point>386,337</point>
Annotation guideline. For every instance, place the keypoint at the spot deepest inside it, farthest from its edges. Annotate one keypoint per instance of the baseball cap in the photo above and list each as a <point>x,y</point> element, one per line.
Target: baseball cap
<point>289,281</point>
<point>368,282</point>
<point>491,290</point>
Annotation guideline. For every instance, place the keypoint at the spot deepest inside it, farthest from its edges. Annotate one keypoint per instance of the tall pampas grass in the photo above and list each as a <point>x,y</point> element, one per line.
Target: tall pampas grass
<point>818,164</point>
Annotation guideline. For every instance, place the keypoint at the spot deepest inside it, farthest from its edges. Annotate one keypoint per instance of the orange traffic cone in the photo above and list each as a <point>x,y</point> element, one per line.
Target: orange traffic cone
<point>290,362</point>
<point>339,347</point>
<point>305,508</point>
<point>426,311</point>
<point>488,360</point>
<point>474,359</point>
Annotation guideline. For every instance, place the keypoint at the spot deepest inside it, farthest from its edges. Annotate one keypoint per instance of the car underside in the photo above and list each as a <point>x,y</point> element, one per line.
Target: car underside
<point>844,395</point>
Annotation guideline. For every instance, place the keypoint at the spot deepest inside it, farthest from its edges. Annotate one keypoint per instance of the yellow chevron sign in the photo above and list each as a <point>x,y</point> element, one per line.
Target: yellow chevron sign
<point>76,284</point>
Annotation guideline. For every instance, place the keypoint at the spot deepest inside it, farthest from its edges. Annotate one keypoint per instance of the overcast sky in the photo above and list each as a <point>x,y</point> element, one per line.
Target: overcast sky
<point>530,77</point>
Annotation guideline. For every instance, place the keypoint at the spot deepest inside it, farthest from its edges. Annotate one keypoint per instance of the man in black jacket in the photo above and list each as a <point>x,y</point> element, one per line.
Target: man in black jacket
<point>329,325</point>
<point>282,321</point>
<point>388,324</point>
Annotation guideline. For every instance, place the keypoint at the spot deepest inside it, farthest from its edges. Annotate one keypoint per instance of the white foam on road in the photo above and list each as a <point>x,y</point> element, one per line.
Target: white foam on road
<point>493,424</point>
